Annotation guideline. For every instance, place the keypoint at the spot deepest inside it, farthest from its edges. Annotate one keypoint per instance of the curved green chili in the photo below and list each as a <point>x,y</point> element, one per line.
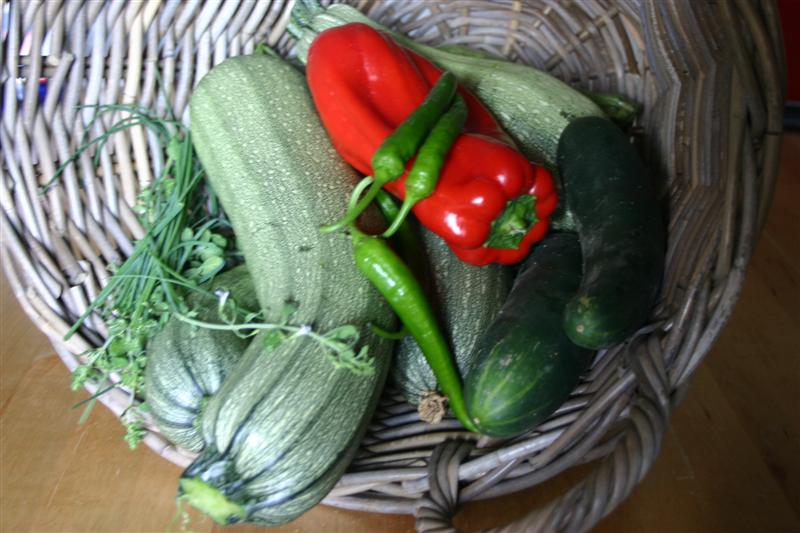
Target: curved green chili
<point>389,160</point>
<point>423,176</point>
<point>395,281</point>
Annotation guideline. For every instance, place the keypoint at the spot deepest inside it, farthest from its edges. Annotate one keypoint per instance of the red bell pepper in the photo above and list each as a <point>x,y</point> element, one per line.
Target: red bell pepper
<point>364,85</point>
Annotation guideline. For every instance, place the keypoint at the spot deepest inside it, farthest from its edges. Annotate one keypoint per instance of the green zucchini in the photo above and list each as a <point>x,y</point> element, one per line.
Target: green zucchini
<point>187,364</point>
<point>615,205</point>
<point>525,366</point>
<point>286,422</point>
<point>272,165</point>
<point>280,432</point>
<point>532,106</point>
<point>468,298</point>
<point>621,110</point>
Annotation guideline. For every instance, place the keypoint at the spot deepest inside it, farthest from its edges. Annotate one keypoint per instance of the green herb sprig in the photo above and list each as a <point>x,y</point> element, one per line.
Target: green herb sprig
<point>340,342</point>
<point>184,246</point>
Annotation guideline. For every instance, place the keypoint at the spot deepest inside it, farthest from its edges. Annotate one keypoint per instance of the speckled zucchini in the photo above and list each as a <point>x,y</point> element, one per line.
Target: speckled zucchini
<point>281,431</point>
<point>271,163</point>
<point>286,422</point>
<point>187,364</point>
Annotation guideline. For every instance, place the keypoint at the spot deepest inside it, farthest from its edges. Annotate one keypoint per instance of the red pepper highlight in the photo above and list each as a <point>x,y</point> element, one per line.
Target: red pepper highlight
<point>364,85</point>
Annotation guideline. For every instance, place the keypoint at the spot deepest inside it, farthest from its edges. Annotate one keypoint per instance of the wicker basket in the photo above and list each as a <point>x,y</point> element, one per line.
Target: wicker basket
<point>709,74</point>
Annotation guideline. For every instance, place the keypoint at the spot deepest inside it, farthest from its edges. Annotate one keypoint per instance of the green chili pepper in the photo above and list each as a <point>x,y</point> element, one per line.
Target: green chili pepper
<point>424,175</point>
<point>395,281</point>
<point>410,249</point>
<point>389,160</point>
<point>391,157</point>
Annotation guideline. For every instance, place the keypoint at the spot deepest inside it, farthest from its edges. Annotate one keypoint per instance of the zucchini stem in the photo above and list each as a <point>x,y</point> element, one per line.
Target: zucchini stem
<point>211,501</point>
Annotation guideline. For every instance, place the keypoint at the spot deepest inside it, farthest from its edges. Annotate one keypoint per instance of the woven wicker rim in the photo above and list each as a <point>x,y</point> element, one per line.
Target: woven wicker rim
<point>710,75</point>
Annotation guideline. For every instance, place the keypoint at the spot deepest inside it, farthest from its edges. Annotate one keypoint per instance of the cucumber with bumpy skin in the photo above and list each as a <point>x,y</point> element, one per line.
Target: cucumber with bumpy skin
<point>615,204</point>
<point>525,366</point>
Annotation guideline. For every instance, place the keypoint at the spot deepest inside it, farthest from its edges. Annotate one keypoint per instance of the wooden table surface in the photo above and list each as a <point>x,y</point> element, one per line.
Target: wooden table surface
<point>730,462</point>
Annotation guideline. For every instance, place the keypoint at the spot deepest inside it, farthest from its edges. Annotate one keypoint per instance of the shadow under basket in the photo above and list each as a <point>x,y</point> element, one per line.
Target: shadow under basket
<point>709,75</point>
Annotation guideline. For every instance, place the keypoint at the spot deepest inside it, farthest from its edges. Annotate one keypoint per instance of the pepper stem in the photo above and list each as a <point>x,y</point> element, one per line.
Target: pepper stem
<point>391,335</point>
<point>513,224</point>
<point>405,209</point>
<point>355,207</point>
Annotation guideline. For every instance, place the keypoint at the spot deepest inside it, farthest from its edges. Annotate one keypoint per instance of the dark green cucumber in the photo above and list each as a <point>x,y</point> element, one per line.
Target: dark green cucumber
<point>468,299</point>
<point>614,201</point>
<point>187,364</point>
<point>525,366</point>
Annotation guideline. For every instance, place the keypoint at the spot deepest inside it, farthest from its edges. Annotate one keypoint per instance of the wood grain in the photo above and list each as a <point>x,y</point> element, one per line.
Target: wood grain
<point>731,461</point>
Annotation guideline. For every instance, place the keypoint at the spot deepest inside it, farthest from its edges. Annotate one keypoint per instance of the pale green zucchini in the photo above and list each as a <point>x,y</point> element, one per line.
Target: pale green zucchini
<point>279,179</point>
<point>187,364</point>
<point>468,299</point>
<point>286,422</point>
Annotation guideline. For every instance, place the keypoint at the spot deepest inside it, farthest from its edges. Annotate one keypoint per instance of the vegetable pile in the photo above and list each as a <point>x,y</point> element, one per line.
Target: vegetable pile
<point>489,204</point>
<point>391,199</point>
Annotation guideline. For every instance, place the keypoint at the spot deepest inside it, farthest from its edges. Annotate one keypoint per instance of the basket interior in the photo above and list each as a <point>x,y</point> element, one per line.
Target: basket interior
<point>672,57</point>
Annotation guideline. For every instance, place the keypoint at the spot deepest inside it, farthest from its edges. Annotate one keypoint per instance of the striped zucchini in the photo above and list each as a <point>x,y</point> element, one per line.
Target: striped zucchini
<point>281,431</point>
<point>286,422</point>
<point>187,364</point>
<point>468,299</point>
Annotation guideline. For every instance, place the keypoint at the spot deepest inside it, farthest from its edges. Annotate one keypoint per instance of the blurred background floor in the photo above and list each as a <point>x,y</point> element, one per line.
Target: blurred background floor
<point>730,462</point>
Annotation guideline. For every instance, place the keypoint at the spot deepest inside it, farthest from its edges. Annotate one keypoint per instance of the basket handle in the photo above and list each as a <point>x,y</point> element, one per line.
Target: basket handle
<point>436,509</point>
<point>581,507</point>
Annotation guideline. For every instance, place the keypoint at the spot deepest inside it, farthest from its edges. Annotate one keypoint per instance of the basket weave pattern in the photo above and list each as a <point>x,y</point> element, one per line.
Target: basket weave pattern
<point>708,73</point>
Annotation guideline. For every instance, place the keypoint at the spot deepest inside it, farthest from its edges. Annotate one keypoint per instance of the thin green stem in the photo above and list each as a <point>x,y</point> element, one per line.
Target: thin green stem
<point>354,206</point>
<point>405,209</point>
<point>391,335</point>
